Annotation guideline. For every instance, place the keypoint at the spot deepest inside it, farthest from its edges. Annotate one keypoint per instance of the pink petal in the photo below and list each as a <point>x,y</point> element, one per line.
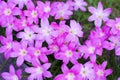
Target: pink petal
<point>104,64</point>
<point>108,45</point>
<point>20,35</point>
<point>60,77</point>
<point>91,18</point>
<point>44,22</point>
<point>76,68</point>
<point>44,58</point>
<point>20,61</point>
<point>108,72</point>
<point>107,11</point>
<point>93,58</point>
<point>46,66</point>
<point>98,22</point>
<point>27,58</point>
<point>35,62</point>
<point>100,6</point>
<point>18,73</point>
<point>6,75</point>
<point>64,68</point>
<point>30,5</point>
<point>117,51</point>
<point>47,74</point>
<point>3,49</point>
<point>12,70</point>
<point>30,70</point>
<point>14,54</point>
<point>17,11</point>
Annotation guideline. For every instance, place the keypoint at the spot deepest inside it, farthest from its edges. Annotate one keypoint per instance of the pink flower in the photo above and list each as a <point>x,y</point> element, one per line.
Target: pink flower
<point>61,11</point>
<point>80,4</point>
<point>21,23</point>
<point>74,32</point>
<point>46,32</point>
<point>114,25</point>
<point>38,71</point>
<point>44,9</point>
<point>7,11</point>
<point>20,3</point>
<point>68,74</point>
<point>89,50</point>
<point>100,71</point>
<point>38,52</point>
<point>31,13</point>
<point>99,14</point>
<point>7,45</point>
<point>68,53</point>
<point>28,35</point>
<point>116,41</point>
<point>86,70</point>
<point>12,75</point>
<point>20,51</point>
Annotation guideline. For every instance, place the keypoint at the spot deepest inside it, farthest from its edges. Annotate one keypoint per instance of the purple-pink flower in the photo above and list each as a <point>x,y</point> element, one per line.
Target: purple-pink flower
<point>12,75</point>
<point>39,71</point>
<point>80,4</point>
<point>99,15</point>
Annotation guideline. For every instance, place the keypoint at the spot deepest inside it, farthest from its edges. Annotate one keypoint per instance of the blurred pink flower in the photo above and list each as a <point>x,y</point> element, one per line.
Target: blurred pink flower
<point>12,75</point>
<point>38,71</point>
<point>99,14</point>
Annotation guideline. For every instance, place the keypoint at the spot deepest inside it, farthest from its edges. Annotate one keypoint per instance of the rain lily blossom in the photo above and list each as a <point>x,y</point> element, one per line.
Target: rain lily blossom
<point>28,35</point>
<point>116,41</point>
<point>86,70</point>
<point>6,47</point>
<point>20,51</point>
<point>31,13</point>
<point>38,71</point>
<point>74,32</point>
<point>46,32</point>
<point>38,52</point>
<point>44,9</point>
<point>114,25</point>
<point>8,10</point>
<point>68,74</point>
<point>80,4</point>
<point>101,72</point>
<point>12,75</point>
<point>62,11</point>
<point>68,53</point>
<point>98,14</point>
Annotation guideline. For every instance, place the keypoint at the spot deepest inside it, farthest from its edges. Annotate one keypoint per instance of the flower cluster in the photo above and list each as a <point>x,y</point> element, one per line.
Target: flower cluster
<point>30,23</point>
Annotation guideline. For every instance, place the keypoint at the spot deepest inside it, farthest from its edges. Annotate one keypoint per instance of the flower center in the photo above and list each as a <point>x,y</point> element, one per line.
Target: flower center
<point>118,26</point>
<point>84,72</point>
<point>73,31</point>
<point>70,76</point>
<point>46,32</point>
<point>7,12</point>
<point>29,36</point>
<point>15,77</point>
<point>39,70</point>
<point>37,52</point>
<point>47,9</point>
<point>34,14</point>
<point>100,73</point>
<point>91,49</point>
<point>9,45</point>
<point>23,52</point>
<point>24,23</point>
<point>69,53</point>
<point>61,12</point>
